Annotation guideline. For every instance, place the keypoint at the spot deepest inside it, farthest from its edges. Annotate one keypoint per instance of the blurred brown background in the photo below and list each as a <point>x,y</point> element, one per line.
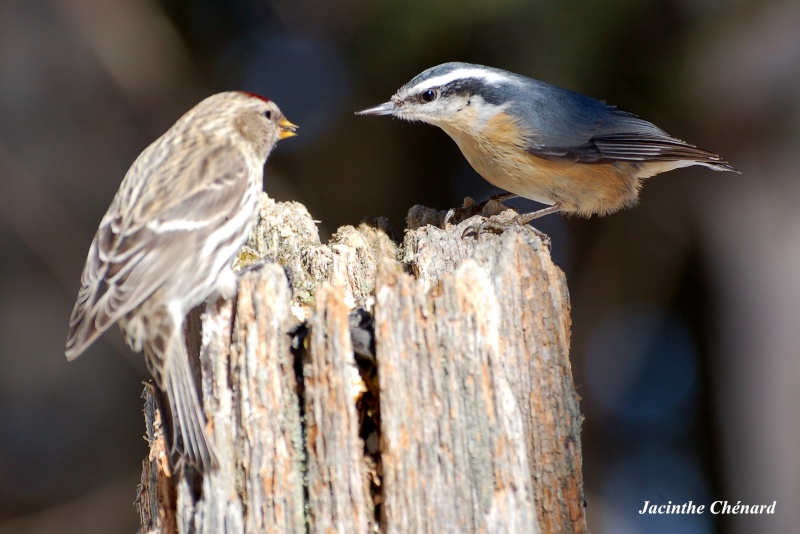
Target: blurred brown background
<point>686,310</point>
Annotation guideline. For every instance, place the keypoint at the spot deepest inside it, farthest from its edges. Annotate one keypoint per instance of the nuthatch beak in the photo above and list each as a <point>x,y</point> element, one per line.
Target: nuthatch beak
<point>576,154</point>
<point>387,108</point>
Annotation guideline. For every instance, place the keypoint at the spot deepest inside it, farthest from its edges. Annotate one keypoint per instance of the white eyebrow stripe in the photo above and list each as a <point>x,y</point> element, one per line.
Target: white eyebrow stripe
<point>491,77</point>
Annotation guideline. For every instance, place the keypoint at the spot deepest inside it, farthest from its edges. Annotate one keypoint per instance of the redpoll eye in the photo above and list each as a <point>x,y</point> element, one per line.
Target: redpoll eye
<point>429,95</point>
<point>268,115</point>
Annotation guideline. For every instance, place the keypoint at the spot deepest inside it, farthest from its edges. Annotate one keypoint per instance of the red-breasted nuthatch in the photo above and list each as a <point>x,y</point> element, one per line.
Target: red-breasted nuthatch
<point>576,154</point>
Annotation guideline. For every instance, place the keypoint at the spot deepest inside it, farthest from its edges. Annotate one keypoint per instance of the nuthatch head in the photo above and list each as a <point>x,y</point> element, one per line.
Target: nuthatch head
<point>569,151</point>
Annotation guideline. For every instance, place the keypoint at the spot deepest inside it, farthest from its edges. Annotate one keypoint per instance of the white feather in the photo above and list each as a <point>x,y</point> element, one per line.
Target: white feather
<point>488,76</point>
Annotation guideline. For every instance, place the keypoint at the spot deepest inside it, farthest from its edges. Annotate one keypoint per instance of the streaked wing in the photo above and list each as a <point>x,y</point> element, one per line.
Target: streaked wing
<point>133,254</point>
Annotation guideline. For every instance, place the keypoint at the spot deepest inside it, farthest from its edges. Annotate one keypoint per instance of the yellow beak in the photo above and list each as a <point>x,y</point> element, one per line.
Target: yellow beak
<point>287,129</point>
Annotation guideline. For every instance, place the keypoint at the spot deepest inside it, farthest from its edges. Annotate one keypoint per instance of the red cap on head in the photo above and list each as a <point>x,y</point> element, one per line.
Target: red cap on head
<point>254,95</point>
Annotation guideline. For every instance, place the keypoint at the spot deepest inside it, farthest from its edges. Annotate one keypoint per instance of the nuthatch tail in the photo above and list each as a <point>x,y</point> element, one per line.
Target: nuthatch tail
<point>574,153</point>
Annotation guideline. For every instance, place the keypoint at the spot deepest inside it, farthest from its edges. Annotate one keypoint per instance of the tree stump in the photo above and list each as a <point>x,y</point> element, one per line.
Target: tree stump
<point>445,404</point>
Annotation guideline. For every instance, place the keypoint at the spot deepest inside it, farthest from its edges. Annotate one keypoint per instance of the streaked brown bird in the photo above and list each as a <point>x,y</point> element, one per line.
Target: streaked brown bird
<point>167,243</point>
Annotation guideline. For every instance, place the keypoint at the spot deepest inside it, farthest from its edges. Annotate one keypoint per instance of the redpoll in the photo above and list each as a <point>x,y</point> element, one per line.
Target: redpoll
<point>166,244</point>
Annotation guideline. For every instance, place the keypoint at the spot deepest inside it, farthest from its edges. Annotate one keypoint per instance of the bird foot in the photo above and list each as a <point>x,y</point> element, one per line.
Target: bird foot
<point>497,224</point>
<point>487,208</point>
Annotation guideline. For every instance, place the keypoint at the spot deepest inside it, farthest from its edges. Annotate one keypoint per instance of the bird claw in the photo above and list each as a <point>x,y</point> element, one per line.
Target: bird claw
<point>448,216</point>
<point>496,225</point>
<point>493,224</point>
<point>487,225</point>
<point>493,205</point>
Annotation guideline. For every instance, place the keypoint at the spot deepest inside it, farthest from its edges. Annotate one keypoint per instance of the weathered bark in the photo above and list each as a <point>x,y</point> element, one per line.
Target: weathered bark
<point>465,420</point>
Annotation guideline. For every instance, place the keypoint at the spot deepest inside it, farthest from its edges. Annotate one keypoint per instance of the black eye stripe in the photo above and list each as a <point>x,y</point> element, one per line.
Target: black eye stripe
<point>466,87</point>
<point>470,87</point>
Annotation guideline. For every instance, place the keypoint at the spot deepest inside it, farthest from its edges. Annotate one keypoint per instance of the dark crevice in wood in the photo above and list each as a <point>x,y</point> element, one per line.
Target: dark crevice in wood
<point>298,336</point>
<point>368,405</point>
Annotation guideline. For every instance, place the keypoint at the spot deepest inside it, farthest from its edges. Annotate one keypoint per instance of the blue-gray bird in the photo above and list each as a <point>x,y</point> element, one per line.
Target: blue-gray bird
<point>571,152</point>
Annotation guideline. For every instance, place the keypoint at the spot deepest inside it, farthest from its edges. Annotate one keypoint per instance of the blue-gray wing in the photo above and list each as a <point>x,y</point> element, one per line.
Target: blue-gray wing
<point>571,127</point>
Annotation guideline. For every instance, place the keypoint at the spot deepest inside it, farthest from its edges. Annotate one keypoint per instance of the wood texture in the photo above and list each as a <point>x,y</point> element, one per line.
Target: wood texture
<point>338,501</point>
<point>465,419</point>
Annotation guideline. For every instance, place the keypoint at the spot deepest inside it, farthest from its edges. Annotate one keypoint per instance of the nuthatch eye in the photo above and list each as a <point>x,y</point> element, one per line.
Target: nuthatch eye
<point>576,154</point>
